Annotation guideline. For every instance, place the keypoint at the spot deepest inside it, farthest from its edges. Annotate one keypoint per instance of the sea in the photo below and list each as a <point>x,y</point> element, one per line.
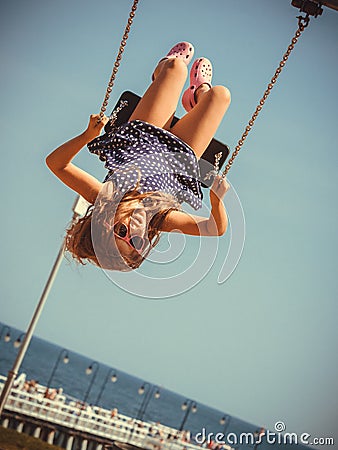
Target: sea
<point>44,359</point>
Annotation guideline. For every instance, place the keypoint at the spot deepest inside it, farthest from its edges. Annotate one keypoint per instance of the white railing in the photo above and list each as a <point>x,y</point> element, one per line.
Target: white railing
<point>94,420</point>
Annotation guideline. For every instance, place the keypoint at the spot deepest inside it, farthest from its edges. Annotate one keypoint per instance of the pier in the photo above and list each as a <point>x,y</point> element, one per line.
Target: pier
<point>73,425</point>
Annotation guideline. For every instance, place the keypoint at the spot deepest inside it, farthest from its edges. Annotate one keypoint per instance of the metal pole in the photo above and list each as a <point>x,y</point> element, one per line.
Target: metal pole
<point>191,407</point>
<point>23,348</point>
<point>226,422</point>
<point>110,374</point>
<point>146,401</point>
<point>83,407</point>
<point>94,363</point>
<point>330,4</point>
<point>56,365</point>
<point>185,417</point>
<point>144,386</point>
<point>78,208</point>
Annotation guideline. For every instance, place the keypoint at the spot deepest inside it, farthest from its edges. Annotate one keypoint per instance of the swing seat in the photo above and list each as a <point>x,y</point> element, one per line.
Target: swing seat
<point>206,162</point>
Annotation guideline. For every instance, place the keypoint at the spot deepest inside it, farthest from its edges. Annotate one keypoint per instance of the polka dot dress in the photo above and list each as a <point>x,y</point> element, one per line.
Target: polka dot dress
<point>158,160</point>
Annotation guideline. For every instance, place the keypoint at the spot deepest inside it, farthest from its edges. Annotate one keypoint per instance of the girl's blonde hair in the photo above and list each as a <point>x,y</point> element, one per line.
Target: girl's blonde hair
<point>91,237</point>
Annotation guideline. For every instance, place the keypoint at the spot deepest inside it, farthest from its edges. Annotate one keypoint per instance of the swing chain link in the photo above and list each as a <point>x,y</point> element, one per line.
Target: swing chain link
<point>302,24</point>
<point>118,60</point>
<point>214,172</point>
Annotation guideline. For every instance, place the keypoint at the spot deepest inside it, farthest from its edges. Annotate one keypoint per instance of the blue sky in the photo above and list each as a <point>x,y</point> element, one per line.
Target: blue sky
<point>263,345</point>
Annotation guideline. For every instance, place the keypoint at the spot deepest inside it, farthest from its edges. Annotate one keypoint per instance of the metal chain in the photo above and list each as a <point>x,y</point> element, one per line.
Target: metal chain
<point>215,169</point>
<point>118,59</point>
<point>302,24</point>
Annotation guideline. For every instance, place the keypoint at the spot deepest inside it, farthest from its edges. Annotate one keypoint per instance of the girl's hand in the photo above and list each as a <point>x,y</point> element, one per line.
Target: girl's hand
<point>95,126</point>
<point>219,187</point>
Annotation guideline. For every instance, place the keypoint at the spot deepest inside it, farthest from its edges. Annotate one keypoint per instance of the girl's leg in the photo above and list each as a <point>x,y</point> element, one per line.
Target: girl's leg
<point>160,100</point>
<point>198,126</point>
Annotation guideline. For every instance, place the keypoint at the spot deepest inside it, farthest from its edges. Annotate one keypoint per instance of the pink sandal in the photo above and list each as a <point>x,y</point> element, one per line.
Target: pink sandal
<point>200,73</point>
<point>183,50</point>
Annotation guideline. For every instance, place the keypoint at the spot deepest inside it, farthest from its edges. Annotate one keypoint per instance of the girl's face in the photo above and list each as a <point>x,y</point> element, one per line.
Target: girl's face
<point>132,226</point>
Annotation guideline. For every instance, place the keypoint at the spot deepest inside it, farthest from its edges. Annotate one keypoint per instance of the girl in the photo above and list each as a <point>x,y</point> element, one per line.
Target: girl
<point>152,168</point>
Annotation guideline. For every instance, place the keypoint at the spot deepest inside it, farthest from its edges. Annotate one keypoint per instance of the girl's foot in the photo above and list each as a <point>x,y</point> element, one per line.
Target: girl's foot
<point>183,50</point>
<point>200,81</point>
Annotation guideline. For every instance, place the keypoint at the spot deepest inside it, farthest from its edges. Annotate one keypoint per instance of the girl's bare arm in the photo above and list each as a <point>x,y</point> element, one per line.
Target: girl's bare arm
<point>59,162</point>
<point>215,225</point>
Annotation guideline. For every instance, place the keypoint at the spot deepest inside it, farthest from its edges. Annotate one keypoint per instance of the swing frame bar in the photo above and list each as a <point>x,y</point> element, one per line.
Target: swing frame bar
<point>310,6</point>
